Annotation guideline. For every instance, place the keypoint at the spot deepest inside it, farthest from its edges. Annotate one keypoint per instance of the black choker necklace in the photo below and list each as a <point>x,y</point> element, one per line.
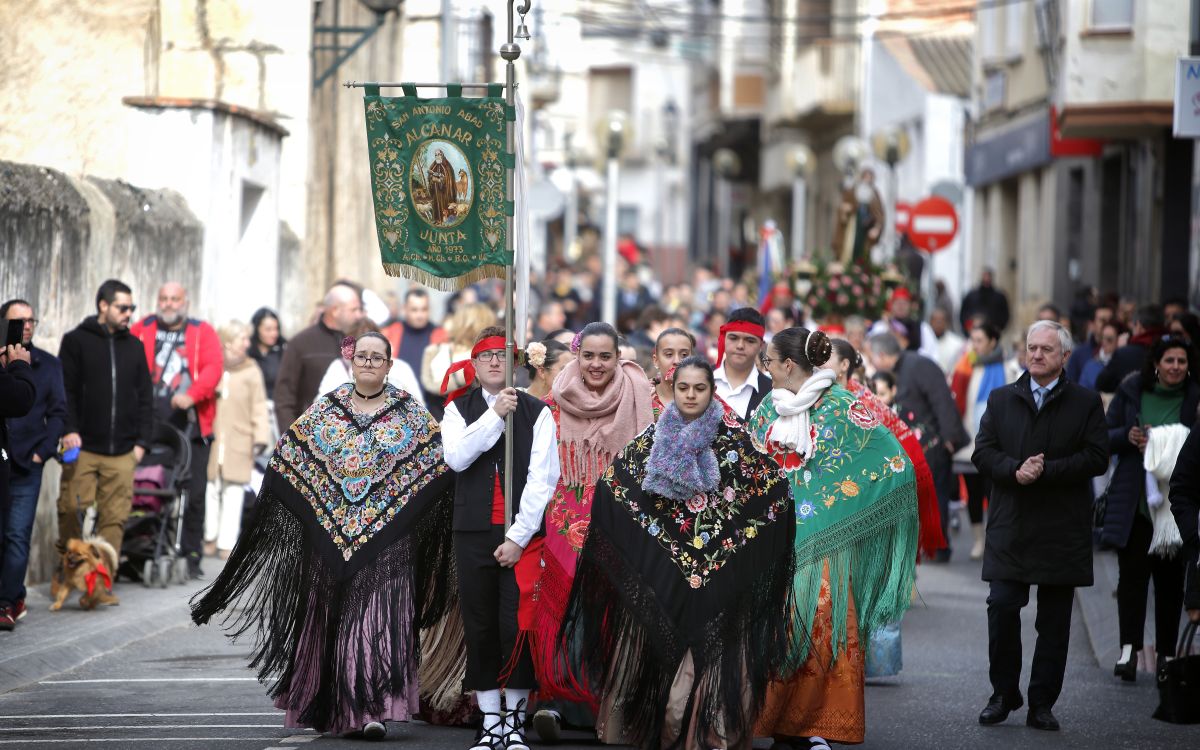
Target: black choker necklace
<point>365,397</point>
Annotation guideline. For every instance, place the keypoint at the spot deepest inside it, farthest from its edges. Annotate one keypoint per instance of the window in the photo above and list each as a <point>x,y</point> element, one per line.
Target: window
<point>988,47</point>
<point>1112,14</point>
<point>1014,30</point>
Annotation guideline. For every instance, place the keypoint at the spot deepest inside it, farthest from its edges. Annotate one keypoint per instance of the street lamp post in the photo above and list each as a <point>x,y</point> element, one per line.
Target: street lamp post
<point>727,164</point>
<point>616,139</point>
<point>802,163</point>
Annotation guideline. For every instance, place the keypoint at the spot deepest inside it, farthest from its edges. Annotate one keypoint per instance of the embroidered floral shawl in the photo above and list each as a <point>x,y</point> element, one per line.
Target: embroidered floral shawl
<point>658,578</point>
<point>349,547</point>
<point>856,507</point>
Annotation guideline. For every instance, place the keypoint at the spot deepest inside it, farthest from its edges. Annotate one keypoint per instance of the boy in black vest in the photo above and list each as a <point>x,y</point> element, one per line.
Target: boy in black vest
<point>487,554</point>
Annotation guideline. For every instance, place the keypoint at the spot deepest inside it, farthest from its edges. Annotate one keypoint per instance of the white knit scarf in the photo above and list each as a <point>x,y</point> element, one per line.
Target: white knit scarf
<point>791,430</point>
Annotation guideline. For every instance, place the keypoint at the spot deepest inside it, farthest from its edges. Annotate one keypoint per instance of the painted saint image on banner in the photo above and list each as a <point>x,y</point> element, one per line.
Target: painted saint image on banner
<point>441,184</point>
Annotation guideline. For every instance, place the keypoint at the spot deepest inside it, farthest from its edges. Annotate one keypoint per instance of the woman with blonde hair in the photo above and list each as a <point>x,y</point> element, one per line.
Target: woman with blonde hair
<point>463,328</point>
<point>241,431</point>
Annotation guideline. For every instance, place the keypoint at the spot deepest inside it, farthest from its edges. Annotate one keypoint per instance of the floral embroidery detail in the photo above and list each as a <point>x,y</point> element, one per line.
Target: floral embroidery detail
<point>698,533</point>
<point>861,416</point>
<point>357,472</point>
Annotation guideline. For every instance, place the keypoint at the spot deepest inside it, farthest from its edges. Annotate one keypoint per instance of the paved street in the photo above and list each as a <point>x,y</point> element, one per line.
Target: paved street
<point>182,687</point>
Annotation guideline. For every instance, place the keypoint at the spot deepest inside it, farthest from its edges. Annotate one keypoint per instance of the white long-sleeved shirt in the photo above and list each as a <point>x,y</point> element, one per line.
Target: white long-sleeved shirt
<point>464,444</point>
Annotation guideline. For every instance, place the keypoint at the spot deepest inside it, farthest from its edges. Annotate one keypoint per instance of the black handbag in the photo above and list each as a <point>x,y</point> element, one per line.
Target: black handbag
<point>1179,683</point>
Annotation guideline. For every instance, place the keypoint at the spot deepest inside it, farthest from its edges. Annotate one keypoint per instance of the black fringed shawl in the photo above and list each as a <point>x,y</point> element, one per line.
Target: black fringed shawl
<point>660,577</point>
<point>349,547</point>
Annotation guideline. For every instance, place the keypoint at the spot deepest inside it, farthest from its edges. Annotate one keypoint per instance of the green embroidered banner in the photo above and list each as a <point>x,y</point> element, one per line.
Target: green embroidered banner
<point>438,182</point>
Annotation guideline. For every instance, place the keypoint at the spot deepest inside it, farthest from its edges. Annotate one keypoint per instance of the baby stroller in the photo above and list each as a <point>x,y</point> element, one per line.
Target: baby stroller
<point>153,533</point>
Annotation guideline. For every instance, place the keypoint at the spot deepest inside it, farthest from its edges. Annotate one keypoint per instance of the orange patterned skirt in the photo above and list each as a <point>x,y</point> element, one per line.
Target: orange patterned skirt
<point>821,700</point>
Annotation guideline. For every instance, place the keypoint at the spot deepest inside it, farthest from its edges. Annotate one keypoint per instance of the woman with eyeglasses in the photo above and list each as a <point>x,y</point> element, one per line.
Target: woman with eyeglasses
<point>348,554</point>
<point>400,375</point>
<point>856,537</point>
<point>599,403</point>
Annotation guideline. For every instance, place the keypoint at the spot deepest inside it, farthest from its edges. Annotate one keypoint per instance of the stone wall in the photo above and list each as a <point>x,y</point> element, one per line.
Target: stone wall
<point>59,239</point>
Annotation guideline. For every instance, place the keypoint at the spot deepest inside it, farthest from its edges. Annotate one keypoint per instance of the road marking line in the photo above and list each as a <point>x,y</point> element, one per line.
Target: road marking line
<point>130,716</point>
<point>150,679</point>
<point>295,739</point>
<point>44,741</point>
<point>141,726</point>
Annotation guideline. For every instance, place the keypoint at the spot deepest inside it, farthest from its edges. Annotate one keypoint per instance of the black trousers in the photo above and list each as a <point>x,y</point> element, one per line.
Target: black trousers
<point>488,598</point>
<point>944,482</point>
<point>1137,566</point>
<point>193,516</point>
<point>1053,623</point>
<point>978,487</point>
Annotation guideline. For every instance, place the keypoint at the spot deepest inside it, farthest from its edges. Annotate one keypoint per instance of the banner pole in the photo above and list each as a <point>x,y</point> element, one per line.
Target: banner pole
<point>510,51</point>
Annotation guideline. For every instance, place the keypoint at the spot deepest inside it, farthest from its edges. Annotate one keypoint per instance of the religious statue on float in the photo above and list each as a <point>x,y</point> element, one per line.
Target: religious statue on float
<point>860,220</point>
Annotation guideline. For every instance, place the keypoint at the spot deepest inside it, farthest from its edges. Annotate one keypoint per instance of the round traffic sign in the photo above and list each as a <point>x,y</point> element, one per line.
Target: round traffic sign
<point>933,224</point>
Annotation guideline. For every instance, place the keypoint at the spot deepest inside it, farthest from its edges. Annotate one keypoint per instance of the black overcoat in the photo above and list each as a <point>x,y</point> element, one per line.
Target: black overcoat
<point>1041,533</point>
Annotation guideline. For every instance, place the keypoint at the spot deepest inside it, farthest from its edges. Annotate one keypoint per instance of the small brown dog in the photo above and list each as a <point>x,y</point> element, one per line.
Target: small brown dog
<point>88,565</point>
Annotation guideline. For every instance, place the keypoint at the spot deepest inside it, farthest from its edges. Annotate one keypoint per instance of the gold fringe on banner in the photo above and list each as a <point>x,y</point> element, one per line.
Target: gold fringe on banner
<point>443,284</point>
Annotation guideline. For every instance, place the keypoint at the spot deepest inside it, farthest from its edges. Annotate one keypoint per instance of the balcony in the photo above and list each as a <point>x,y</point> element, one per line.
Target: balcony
<point>818,89</point>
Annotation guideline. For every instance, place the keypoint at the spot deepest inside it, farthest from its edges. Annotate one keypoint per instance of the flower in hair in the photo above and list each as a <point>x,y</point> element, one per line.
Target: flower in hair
<point>535,354</point>
<point>348,347</point>
<point>577,342</point>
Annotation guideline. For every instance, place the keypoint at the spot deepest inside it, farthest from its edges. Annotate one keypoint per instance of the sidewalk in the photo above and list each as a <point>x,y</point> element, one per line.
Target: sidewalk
<point>46,643</point>
<point>1099,609</point>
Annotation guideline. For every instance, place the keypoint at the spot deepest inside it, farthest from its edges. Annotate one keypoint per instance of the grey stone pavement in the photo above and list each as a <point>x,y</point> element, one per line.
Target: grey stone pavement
<point>140,676</point>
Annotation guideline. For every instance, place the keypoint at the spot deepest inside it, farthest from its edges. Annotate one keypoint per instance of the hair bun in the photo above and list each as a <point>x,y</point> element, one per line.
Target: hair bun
<point>818,348</point>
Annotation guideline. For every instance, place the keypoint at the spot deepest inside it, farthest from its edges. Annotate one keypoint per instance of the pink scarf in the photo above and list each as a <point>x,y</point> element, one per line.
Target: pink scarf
<point>594,427</point>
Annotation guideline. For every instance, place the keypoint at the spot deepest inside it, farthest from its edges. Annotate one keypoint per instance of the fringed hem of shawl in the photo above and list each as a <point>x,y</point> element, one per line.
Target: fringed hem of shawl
<point>582,465</point>
<point>444,662</point>
<point>876,550</point>
<point>624,645</point>
<point>330,646</point>
<point>551,664</point>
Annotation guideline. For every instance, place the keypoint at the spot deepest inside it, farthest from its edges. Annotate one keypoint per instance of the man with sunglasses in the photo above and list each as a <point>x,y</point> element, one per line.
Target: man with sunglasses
<point>110,415</point>
<point>33,441</point>
<point>495,564</point>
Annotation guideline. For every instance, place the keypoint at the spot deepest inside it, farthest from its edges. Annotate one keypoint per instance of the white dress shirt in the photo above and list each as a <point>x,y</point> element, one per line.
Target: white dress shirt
<point>465,443</point>
<point>738,398</point>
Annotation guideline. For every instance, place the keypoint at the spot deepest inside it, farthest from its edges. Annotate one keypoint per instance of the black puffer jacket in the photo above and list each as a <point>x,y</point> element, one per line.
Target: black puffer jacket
<point>1041,533</point>
<point>1128,485</point>
<point>109,398</point>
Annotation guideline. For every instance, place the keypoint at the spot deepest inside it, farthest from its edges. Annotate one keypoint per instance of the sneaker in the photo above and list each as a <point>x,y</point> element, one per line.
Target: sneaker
<point>7,621</point>
<point>548,725</point>
<point>374,730</point>
<point>19,610</point>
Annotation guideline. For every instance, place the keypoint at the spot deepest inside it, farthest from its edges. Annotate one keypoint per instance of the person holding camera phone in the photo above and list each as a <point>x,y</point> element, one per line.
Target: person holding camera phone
<point>33,440</point>
<point>17,393</point>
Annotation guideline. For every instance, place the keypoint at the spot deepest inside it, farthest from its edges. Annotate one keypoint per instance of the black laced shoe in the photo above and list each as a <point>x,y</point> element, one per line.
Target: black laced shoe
<point>491,733</point>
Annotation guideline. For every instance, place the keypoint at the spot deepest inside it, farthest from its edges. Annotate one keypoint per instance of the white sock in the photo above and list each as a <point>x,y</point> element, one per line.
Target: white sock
<point>489,703</point>
<point>514,719</point>
<point>1126,653</point>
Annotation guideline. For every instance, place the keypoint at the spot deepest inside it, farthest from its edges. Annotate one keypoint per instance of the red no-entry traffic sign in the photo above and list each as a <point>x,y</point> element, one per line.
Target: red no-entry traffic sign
<point>933,224</point>
<point>903,216</point>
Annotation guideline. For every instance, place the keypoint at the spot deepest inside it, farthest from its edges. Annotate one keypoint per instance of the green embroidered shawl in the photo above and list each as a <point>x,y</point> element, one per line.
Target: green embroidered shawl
<point>856,507</point>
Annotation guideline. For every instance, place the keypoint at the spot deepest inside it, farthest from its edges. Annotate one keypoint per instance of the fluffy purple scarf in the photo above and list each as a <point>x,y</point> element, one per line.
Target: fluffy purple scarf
<point>682,463</point>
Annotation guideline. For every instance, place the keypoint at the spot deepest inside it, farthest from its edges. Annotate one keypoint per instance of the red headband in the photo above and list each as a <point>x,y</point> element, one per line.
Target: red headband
<point>739,326</point>
<point>468,366</point>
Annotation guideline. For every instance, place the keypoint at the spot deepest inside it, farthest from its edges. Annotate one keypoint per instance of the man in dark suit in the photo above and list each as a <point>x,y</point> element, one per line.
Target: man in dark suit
<point>1040,442</point>
<point>921,390</point>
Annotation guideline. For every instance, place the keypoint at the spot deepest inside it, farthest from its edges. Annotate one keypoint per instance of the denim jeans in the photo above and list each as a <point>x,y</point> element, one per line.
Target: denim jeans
<point>23,492</point>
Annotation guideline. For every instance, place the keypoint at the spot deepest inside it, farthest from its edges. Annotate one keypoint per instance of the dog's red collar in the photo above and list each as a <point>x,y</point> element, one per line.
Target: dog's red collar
<point>103,573</point>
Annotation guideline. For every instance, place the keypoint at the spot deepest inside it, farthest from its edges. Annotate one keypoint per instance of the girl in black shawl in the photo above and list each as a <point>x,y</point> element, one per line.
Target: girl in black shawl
<point>682,592</point>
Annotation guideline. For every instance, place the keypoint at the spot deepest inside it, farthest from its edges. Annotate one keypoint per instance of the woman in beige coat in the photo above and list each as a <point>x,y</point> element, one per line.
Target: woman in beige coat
<point>241,431</point>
